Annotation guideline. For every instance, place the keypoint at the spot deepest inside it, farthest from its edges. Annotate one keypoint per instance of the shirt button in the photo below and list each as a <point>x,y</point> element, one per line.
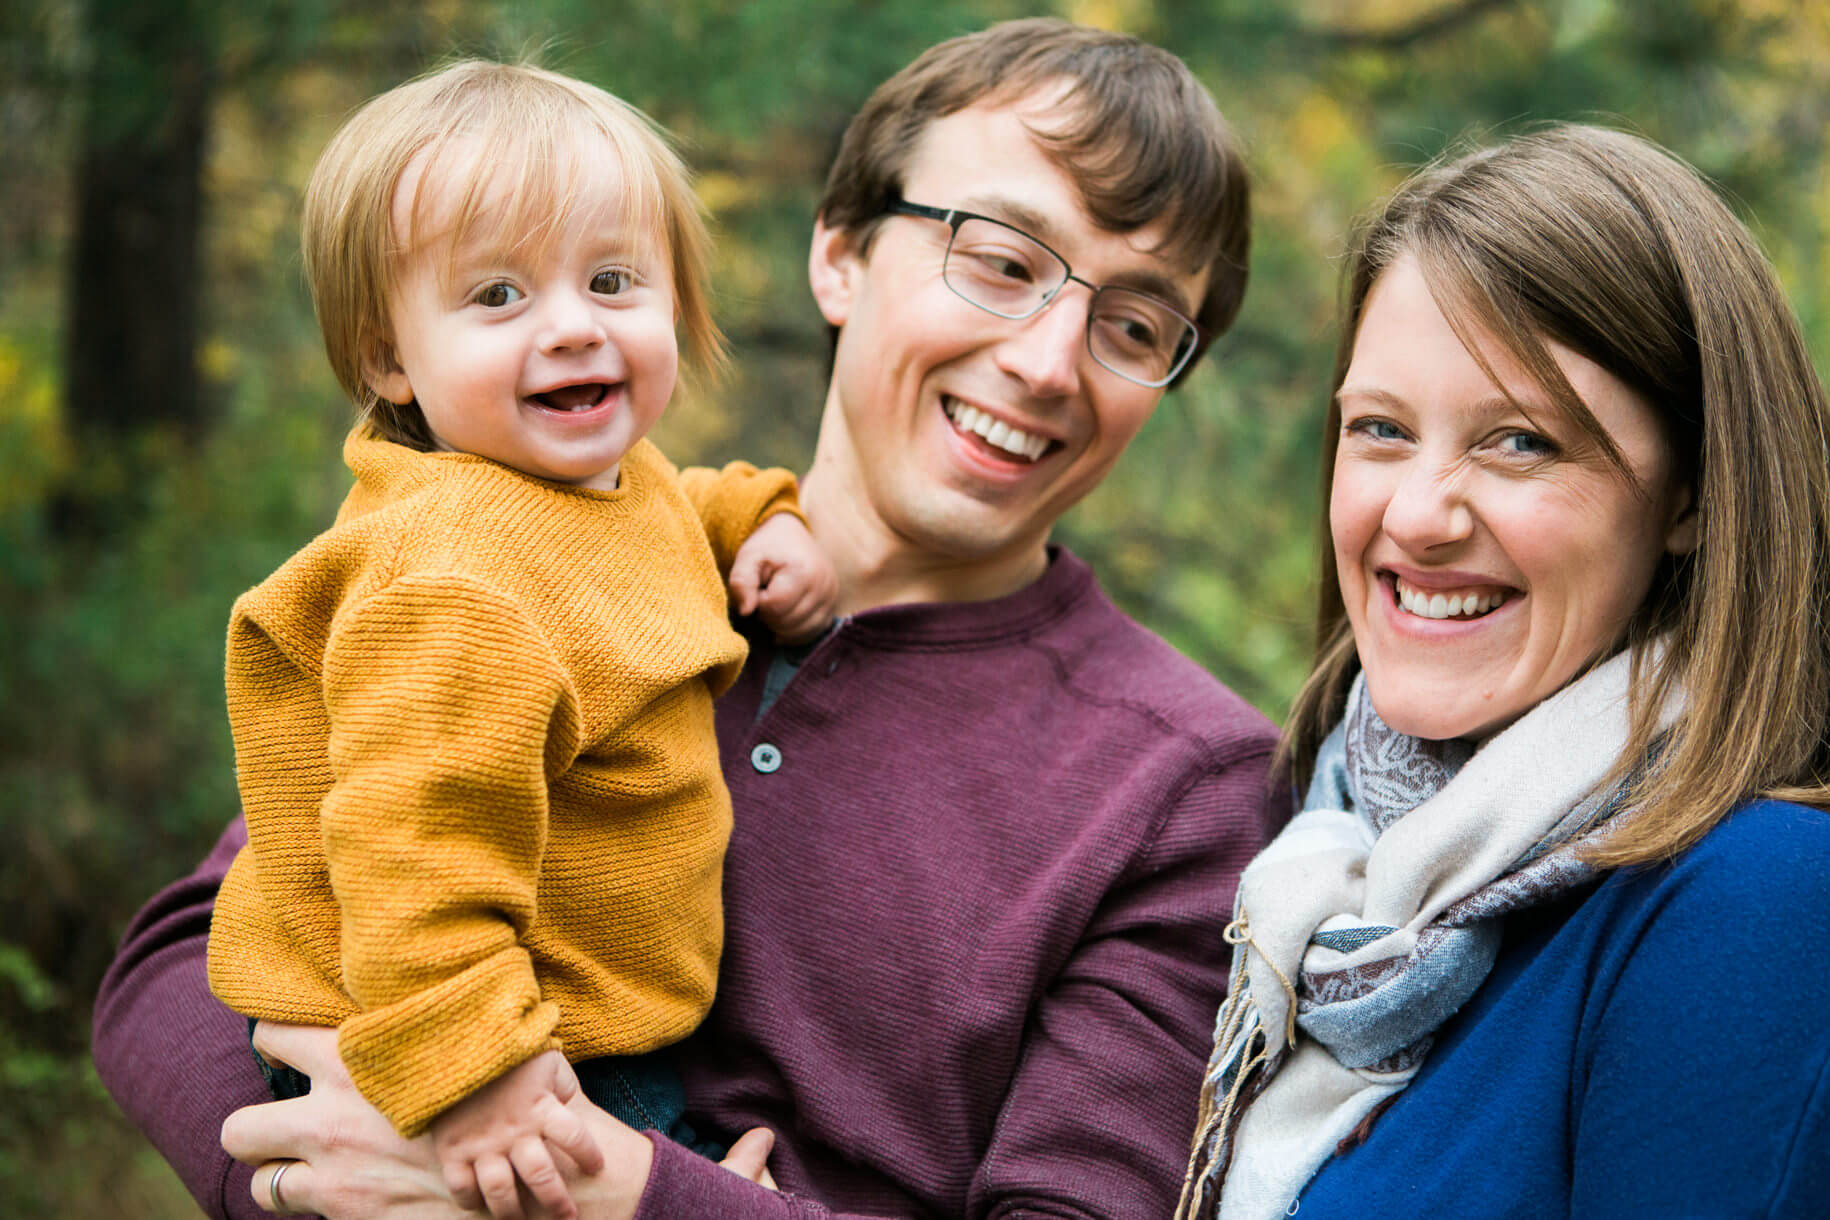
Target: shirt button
<point>766,758</point>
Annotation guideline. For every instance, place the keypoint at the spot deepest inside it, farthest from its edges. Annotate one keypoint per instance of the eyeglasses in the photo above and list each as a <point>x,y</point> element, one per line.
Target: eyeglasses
<point>1003,270</point>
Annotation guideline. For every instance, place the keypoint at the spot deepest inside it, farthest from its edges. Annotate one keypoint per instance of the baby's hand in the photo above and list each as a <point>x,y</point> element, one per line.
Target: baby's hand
<point>508,1129</point>
<point>782,574</point>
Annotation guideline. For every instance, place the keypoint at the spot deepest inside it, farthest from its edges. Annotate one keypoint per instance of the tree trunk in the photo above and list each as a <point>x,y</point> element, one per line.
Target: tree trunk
<point>135,282</point>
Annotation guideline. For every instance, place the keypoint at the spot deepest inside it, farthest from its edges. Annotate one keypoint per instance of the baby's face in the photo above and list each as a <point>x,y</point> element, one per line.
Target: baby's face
<point>552,355</point>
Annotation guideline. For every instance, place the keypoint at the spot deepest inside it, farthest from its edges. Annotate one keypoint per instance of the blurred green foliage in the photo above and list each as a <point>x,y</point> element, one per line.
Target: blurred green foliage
<point>115,764</point>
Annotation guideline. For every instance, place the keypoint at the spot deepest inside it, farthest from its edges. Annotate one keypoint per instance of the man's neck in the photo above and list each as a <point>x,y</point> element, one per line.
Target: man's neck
<point>877,567</point>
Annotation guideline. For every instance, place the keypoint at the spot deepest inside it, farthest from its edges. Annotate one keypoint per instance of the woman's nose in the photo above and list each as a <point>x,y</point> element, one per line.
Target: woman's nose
<point>1429,507</point>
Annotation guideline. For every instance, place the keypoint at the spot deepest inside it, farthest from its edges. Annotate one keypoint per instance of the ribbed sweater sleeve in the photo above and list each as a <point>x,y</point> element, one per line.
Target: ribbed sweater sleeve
<point>447,716</point>
<point>176,1061</point>
<point>733,500</point>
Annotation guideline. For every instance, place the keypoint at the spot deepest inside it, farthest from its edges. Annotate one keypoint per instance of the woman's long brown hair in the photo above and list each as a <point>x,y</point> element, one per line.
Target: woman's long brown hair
<point>1608,245</point>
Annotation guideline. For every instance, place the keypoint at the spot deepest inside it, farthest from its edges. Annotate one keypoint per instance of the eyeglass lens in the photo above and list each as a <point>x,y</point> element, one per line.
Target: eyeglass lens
<point>1005,271</point>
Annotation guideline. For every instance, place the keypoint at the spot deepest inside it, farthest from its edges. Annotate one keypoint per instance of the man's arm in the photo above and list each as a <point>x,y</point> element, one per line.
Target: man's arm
<point>1098,1119</point>
<point>178,1060</point>
<point>1094,1124</point>
<point>173,1057</point>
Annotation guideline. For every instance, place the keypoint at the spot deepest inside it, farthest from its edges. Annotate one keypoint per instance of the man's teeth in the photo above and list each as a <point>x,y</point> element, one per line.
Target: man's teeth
<point>1454,605</point>
<point>996,433</point>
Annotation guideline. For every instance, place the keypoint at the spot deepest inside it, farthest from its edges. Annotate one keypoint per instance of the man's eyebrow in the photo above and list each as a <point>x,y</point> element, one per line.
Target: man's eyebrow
<point>1155,284</point>
<point>1013,212</point>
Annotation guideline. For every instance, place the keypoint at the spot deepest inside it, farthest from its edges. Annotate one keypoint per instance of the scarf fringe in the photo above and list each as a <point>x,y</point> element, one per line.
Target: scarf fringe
<point>1241,1050</point>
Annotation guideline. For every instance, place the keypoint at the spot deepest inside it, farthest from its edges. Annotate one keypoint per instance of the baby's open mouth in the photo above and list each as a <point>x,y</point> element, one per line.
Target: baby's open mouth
<point>581,397</point>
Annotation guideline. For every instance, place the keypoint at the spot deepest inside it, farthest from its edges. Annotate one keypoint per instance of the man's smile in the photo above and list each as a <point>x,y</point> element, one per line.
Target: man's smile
<point>1012,442</point>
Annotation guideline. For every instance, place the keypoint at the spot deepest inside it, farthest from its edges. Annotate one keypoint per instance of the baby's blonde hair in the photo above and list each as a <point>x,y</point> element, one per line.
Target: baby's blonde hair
<point>518,124</point>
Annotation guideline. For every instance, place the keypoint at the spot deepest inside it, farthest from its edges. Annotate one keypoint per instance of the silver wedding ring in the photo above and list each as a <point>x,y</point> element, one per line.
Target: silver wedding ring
<point>273,1188</point>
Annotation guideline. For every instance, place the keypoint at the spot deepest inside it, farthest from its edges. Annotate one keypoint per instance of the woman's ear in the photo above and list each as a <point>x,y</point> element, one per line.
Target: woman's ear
<point>382,372</point>
<point>834,266</point>
<point>1681,537</point>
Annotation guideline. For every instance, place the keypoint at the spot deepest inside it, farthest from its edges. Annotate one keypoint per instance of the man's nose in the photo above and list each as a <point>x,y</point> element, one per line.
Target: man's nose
<point>1045,350</point>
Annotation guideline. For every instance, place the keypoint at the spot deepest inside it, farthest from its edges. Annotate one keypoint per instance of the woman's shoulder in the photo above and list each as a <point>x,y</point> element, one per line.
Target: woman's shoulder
<point>1763,860</point>
<point>1701,1027</point>
<point>1745,900</point>
<point>1764,849</point>
<point>1757,821</point>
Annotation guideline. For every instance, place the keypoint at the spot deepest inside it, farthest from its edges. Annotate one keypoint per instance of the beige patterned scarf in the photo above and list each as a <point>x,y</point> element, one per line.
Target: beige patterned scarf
<point>1376,914</point>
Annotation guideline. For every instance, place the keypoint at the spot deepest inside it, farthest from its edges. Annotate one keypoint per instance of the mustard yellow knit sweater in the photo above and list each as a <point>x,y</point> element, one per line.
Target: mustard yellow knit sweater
<point>473,734</point>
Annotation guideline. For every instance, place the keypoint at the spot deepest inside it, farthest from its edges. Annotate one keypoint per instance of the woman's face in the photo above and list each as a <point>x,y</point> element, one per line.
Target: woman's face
<point>1486,557</point>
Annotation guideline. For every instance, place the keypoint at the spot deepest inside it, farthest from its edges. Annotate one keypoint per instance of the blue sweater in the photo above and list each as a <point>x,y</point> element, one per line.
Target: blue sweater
<point>1657,1046</point>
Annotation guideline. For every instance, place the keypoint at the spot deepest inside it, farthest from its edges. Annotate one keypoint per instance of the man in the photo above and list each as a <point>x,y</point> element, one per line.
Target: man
<point>987,828</point>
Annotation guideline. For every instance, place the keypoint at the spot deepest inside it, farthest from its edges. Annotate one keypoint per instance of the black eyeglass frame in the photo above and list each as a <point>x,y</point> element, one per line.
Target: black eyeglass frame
<point>953,218</point>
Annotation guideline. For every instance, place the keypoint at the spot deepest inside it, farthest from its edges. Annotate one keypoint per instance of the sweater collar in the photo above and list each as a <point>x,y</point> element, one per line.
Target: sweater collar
<point>1065,583</point>
<point>386,470</point>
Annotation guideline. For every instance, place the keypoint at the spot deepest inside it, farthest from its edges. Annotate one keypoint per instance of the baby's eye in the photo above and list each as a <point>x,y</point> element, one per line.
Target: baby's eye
<point>497,295</point>
<point>612,281</point>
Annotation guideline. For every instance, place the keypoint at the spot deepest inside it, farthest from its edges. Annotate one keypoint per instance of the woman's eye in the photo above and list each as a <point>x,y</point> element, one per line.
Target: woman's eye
<point>1527,444</point>
<point>497,295</point>
<point>1377,429</point>
<point>613,281</point>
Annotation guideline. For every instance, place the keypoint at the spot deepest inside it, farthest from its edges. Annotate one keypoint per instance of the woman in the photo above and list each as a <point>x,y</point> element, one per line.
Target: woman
<point>1547,937</point>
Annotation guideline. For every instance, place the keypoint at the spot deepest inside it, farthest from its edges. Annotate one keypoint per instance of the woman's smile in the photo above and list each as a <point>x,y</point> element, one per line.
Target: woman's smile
<point>1470,602</point>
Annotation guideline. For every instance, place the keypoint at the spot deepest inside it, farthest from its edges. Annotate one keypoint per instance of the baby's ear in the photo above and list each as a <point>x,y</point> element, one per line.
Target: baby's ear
<point>382,372</point>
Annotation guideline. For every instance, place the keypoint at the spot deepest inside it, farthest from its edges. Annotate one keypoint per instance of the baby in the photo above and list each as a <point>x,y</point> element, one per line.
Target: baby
<point>473,719</point>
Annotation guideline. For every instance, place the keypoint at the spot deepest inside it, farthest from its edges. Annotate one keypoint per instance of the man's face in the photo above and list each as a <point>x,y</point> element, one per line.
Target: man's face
<point>964,435</point>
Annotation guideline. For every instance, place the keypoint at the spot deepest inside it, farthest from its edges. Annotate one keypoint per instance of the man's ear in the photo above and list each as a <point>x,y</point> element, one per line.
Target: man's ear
<point>382,372</point>
<point>834,267</point>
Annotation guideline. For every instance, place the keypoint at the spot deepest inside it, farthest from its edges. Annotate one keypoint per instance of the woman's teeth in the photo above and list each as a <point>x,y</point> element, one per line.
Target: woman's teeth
<point>996,433</point>
<point>1470,604</point>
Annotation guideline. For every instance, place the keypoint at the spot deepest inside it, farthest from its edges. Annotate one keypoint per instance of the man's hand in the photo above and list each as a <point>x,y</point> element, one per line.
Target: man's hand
<point>749,1156</point>
<point>342,1158</point>
<point>508,1130</point>
<point>344,1161</point>
<point>782,574</point>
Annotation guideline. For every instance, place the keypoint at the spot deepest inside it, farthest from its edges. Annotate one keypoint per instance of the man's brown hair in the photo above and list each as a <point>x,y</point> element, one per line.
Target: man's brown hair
<point>1137,133</point>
